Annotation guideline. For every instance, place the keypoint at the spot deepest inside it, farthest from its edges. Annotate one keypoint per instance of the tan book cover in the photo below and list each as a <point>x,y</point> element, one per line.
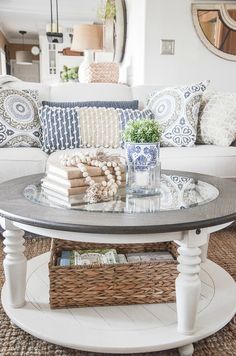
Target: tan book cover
<point>71,183</point>
<point>71,172</point>
<point>56,187</point>
<point>58,202</point>
<point>55,196</point>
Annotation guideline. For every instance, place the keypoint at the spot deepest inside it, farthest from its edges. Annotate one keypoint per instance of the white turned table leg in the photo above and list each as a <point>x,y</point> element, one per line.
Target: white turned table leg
<point>204,250</point>
<point>188,284</point>
<point>13,325</point>
<point>14,264</point>
<point>186,350</point>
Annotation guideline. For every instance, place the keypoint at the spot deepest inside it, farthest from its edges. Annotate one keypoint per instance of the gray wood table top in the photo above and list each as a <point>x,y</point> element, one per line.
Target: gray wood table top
<point>14,206</point>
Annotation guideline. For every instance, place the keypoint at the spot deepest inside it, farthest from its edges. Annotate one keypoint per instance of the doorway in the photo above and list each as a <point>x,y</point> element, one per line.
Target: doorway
<point>3,68</point>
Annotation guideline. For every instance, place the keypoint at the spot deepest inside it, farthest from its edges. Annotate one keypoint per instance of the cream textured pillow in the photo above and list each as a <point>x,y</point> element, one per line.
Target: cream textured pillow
<point>104,127</point>
<point>176,109</point>
<point>217,121</point>
<point>99,127</point>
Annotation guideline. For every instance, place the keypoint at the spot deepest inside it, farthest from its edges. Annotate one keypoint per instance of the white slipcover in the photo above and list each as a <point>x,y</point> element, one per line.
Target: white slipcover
<point>17,162</point>
<point>88,92</point>
<point>207,159</point>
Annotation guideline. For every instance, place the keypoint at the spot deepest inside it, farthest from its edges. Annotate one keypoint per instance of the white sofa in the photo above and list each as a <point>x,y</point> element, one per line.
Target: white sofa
<point>207,159</point>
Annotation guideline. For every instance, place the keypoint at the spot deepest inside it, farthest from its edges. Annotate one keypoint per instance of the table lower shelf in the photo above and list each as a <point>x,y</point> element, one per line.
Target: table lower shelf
<point>120,329</point>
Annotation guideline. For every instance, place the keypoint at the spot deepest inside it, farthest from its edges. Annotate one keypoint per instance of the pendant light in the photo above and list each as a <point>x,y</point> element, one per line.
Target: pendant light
<point>23,57</point>
<point>53,30</point>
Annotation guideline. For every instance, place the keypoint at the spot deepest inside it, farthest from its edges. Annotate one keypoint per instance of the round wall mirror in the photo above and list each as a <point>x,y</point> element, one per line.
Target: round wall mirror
<point>114,35</point>
<point>215,24</point>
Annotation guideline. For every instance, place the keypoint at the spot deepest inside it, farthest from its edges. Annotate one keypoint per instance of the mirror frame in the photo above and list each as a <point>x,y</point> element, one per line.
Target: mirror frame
<point>222,7</point>
<point>115,31</point>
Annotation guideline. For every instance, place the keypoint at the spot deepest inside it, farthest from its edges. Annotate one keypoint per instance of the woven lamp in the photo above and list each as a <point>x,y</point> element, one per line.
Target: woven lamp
<point>87,38</point>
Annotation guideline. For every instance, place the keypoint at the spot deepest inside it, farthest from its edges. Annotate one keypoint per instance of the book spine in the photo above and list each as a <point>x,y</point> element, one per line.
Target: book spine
<point>57,187</point>
<point>72,172</point>
<point>71,183</point>
<point>60,202</point>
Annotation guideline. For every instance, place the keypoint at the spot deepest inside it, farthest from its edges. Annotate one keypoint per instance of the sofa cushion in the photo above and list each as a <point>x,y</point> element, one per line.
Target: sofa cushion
<point>43,89</point>
<point>17,162</point>
<point>217,120</point>
<point>89,92</point>
<point>4,79</point>
<point>176,109</point>
<point>19,119</point>
<point>205,159</point>
<point>131,104</point>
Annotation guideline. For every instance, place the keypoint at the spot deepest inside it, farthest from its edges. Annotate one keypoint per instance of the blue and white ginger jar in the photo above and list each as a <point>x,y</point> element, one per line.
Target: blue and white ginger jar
<point>142,155</point>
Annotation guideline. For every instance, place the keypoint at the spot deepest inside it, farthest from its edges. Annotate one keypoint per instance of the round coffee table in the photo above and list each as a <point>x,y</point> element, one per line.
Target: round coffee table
<point>189,208</point>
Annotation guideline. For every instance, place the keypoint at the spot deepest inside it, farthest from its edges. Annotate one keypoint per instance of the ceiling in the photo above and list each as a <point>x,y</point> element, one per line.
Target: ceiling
<point>33,15</point>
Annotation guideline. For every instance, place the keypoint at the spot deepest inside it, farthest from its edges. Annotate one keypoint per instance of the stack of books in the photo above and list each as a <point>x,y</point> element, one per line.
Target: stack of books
<point>66,186</point>
<point>109,256</point>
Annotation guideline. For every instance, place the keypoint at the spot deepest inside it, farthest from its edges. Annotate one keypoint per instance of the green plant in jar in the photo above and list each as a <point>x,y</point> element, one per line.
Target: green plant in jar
<point>142,131</point>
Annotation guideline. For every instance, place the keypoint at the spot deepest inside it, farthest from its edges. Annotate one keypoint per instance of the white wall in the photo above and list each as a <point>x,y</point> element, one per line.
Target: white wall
<point>192,61</point>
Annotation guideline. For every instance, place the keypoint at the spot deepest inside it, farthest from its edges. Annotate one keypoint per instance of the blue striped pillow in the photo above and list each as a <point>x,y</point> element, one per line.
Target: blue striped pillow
<point>132,104</point>
<point>60,128</point>
<point>132,115</point>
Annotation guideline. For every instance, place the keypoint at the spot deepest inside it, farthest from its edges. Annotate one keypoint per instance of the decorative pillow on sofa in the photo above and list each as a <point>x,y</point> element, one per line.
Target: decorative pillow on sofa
<point>177,109</point>
<point>19,119</point>
<point>217,120</point>
<point>85,127</point>
<point>132,104</point>
<point>104,126</point>
<point>60,128</point>
<point>99,127</point>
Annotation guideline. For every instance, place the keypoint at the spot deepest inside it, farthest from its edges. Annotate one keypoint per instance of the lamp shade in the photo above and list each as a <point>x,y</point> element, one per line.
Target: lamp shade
<point>87,37</point>
<point>23,57</point>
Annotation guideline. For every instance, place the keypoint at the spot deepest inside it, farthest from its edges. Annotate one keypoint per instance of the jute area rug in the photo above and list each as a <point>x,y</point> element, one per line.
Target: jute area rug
<point>15,342</point>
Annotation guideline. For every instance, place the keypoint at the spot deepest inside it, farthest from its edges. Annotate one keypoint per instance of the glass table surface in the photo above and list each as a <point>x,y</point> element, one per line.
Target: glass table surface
<point>176,192</point>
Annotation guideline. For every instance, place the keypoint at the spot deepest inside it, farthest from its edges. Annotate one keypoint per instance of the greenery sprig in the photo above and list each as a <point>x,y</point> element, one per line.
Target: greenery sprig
<point>142,131</point>
<point>69,73</point>
<point>106,10</point>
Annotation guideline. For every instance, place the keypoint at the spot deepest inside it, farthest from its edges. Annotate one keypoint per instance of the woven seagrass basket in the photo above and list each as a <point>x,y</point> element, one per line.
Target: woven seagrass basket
<point>107,72</point>
<point>130,283</point>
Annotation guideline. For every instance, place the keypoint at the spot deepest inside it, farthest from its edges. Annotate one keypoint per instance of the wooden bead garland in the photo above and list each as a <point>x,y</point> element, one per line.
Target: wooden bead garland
<point>110,166</point>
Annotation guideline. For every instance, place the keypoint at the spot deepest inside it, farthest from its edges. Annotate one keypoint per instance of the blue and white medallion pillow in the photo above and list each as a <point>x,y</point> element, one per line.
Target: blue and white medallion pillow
<point>19,118</point>
<point>176,110</point>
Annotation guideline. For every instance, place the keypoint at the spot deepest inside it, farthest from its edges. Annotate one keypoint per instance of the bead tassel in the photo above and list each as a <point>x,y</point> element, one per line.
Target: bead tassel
<point>110,167</point>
